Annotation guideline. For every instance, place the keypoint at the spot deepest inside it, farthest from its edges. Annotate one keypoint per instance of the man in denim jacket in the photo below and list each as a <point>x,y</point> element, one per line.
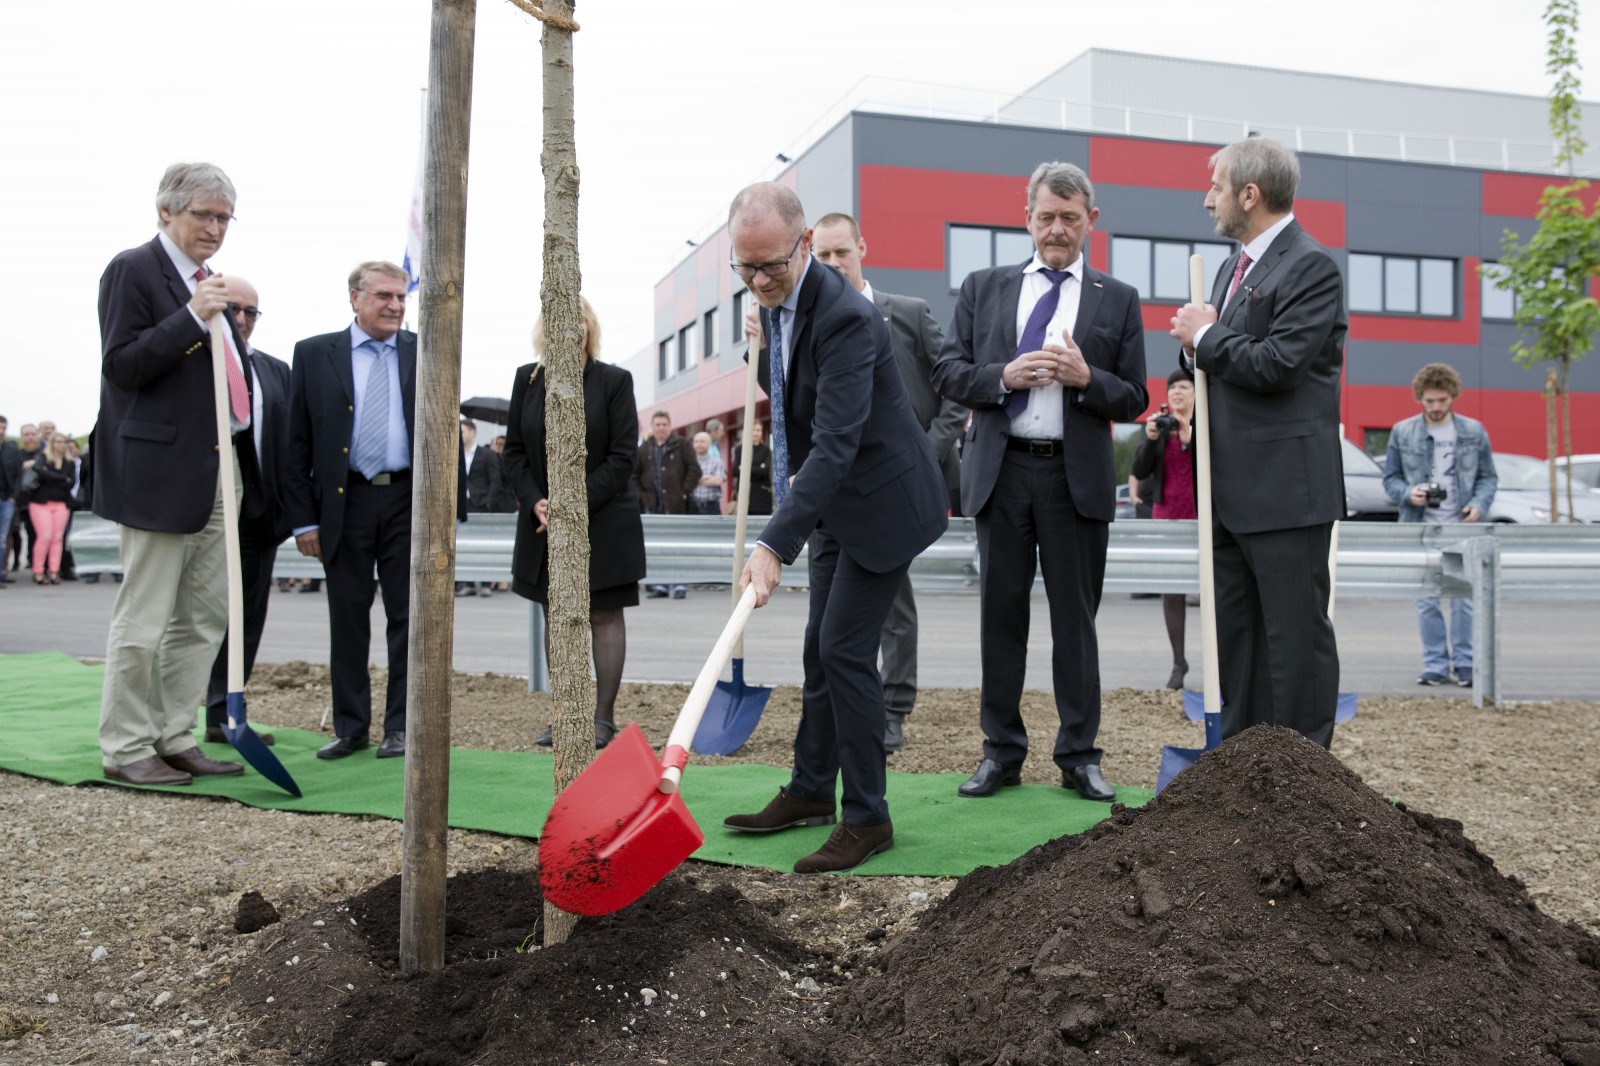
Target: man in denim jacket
<point>1450,452</point>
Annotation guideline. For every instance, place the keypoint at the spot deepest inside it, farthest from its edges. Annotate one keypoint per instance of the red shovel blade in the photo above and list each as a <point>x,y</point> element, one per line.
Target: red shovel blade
<point>612,834</point>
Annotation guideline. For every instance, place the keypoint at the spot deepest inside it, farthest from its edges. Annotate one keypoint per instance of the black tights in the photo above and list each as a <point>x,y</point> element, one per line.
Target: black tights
<point>1173,608</point>
<point>608,639</point>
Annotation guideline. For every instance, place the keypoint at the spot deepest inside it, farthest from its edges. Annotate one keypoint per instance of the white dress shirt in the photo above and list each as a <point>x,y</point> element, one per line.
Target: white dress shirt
<point>1044,417</point>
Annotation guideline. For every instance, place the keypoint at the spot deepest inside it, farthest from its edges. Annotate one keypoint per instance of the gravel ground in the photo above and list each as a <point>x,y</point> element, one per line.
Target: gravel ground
<point>116,931</point>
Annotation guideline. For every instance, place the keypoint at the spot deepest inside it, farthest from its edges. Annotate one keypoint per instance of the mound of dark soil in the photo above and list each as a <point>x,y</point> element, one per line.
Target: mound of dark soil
<point>1268,908</point>
<point>682,971</point>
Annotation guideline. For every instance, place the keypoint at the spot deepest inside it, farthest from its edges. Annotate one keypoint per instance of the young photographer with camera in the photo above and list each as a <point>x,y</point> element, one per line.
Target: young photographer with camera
<point>1439,468</point>
<point>1166,457</point>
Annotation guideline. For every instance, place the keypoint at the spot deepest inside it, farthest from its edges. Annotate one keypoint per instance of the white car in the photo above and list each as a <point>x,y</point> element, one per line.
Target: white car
<point>1524,493</point>
<point>1585,468</point>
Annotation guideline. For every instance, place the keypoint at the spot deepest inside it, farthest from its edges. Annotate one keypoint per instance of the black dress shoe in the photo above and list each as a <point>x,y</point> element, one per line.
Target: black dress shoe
<point>340,747</point>
<point>215,735</point>
<point>894,733</point>
<point>848,847</point>
<point>784,812</point>
<point>393,746</point>
<point>603,732</point>
<point>547,739</point>
<point>658,592</point>
<point>987,779</point>
<point>1179,668</point>
<point>1088,782</point>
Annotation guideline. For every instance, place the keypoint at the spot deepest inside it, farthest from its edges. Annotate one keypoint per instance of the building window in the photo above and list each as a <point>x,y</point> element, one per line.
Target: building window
<point>741,303</point>
<point>972,248</point>
<point>1375,442</point>
<point>1159,270</point>
<point>709,335</point>
<point>664,360</point>
<point>686,349</point>
<point>1497,303</point>
<point>1402,285</point>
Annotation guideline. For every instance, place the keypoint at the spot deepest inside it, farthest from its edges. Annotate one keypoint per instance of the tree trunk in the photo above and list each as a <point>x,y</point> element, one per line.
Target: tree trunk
<point>572,689</point>
<point>433,493</point>
<point>1550,433</point>
<point>1566,435</point>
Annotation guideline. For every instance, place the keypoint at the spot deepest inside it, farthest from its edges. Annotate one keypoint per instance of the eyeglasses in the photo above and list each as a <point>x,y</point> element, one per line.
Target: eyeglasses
<point>248,312</point>
<point>384,296</point>
<point>772,270</point>
<point>208,217</point>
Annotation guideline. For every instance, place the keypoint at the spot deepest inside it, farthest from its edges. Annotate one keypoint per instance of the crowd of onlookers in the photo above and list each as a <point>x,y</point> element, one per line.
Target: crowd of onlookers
<point>41,485</point>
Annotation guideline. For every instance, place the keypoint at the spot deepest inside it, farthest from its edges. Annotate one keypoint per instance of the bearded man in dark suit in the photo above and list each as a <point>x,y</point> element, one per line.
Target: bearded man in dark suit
<point>853,473</point>
<point>1273,356</point>
<point>1048,354</point>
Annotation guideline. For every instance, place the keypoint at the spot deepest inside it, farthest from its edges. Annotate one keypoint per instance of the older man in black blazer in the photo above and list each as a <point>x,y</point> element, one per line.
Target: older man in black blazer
<point>156,473</point>
<point>1048,354</point>
<point>347,494</point>
<point>1273,357</point>
<point>867,493</point>
<point>259,536</point>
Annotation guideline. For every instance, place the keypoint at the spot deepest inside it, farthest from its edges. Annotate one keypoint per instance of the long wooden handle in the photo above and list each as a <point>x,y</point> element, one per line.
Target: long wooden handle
<point>694,707</point>
<point>230,503</point>
<point>1201,432</point>
<point>742,506</point>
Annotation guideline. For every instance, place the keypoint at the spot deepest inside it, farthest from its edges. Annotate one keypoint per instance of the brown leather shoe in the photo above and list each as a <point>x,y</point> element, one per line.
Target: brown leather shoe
<point>848,847</point>
<point>784,812</point>
<point>215,735</point>
<point>195,762</point>
<point>151,771</point>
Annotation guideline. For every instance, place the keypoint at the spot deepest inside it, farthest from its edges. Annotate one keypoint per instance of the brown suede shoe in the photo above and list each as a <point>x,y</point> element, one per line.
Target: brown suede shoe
<point>195,762</point>
<point>215,735</point>
<point>151,771</point>
<point>784,812</point>
<point>848,847</point>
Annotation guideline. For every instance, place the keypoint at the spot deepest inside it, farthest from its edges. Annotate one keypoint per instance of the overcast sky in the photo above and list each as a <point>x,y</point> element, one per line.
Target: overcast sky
<point>313,108</point>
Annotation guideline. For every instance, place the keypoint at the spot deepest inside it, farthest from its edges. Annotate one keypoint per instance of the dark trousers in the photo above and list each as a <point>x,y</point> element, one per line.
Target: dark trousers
<point>841,708</point>
<point>258,547</point>
<point>377,533</point>
<point>1030,521</point>
<point>900,651</point>
<point>1279,659</point>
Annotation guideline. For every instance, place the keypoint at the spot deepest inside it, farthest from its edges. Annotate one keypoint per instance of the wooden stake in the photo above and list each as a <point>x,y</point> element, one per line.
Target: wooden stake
<point>435,454</point>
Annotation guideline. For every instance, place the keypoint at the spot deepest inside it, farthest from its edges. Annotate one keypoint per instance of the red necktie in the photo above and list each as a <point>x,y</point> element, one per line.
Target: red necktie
<point>238,394</point>
<point>1238,274</point>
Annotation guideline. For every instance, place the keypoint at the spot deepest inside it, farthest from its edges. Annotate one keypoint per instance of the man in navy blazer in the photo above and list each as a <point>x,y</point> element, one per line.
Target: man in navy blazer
<point>156,472</point>
<point>1047,354</point>
<point>347,493</point>
<point>1273,357</point>
<point>865,490</point>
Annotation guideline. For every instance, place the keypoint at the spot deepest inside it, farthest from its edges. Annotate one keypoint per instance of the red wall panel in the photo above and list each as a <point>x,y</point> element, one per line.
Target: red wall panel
<point>1518,194</point>
<point>1514,417</point>
<point>904,211</point>
<point>1151,164</point>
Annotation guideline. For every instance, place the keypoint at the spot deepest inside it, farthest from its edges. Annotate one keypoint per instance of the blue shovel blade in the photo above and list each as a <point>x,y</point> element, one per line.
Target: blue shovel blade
<point>251,749</point>
<point>1194,706</point>
<point>732,714</point>
<point>1175,761</point>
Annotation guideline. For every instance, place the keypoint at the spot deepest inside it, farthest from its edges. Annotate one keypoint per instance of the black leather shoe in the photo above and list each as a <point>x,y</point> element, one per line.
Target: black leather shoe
<point>658,592</point>
<point>393,746</point>
<point>603,732</point>
<point>1088,782</point>
<point>894,733</point>
<point>215,735</point>
<point>987,779</point>
<point>784,812</point>
<point>547,739</point>
<point>848,847</point>
<point>340,747</point>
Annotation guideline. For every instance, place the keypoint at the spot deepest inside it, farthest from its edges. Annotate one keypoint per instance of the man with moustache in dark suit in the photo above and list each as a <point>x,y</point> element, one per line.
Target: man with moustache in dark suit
<point>853,473</point>
<point>838,243</point>
<point>347,495</point>
<point>157,473</point>
<point>1048,354</point>
<point>259,536</point>
<point>1273,356</point>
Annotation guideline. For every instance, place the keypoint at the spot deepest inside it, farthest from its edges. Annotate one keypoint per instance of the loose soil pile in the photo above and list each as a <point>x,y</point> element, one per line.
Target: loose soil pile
<point>1269,908</point>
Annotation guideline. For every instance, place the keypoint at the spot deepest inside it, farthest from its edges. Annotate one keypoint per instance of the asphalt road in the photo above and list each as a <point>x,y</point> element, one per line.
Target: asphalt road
<point>1547,648</point>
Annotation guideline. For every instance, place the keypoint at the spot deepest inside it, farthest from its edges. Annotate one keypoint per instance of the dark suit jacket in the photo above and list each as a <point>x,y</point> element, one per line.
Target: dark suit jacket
<point>322,398</point>
<point>680,473</point>
<point>1274,358</point>
<point>154,448</point>
<point>274,454</point>
<point>611,424</point>
<point>983,339</point>
<point>484,480</point>
<point>862,467</point>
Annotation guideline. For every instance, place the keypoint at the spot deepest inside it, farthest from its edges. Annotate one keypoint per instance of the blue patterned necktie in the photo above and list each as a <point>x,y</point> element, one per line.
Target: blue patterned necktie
<point>372,440</point>
<point>1033,334</point>
<point>780,431</point>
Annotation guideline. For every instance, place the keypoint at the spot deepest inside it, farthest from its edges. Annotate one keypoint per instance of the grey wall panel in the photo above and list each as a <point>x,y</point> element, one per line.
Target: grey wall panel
<point>1130,211</point>
<point>973,147</point>
<point>1397,230</point>
<point>1392,363</point>
<point>1492,229</point>
<point>1414,185</point>
<point>1323,178</point>
<point>825,176</point>
<point>1502,373</point>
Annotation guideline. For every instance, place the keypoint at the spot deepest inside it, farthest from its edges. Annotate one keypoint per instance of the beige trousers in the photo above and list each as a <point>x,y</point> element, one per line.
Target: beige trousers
<point>166,626</point>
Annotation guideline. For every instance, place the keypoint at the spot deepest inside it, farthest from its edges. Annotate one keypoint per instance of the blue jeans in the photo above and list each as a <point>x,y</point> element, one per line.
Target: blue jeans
<point>1436,657</point>
<point>8,508</point>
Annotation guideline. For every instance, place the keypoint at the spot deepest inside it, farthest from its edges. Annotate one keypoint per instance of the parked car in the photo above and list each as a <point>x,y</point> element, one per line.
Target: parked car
<point>1585,468</point>
<point>1524,493</point>
<point>1364,497</point>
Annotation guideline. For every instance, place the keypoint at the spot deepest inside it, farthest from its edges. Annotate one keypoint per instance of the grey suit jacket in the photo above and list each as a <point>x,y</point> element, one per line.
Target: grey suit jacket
<point>917,339</point>
<point>1273,361</point>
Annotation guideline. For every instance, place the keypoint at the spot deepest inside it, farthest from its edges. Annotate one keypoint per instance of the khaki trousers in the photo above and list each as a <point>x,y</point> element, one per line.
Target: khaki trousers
<point>169,619</point>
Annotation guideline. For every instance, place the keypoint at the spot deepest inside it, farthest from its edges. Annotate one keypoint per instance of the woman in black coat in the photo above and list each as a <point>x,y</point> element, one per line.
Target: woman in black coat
<point>616,535</point>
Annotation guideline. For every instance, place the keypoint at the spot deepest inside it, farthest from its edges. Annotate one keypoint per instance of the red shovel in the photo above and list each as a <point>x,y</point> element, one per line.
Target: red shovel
<point>621,826</point>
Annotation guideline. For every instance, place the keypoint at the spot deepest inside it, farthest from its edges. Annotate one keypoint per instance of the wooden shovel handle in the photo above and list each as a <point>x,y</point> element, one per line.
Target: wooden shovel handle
<point>676,752</point>
<point>742,506</point>
<point>1201,433</point>
<point>230,506</point>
